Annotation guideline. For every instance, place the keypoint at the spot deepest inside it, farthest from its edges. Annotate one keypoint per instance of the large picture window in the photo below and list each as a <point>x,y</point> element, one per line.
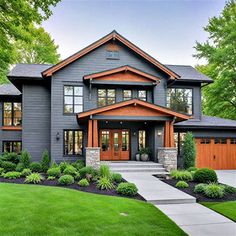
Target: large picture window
<point>106,97</point>
<point>180,100</point>
<point>12,114</point>
<point>73,142</point>
<point>12,146</point>
<point>141,139</point>
<point>73,99</point>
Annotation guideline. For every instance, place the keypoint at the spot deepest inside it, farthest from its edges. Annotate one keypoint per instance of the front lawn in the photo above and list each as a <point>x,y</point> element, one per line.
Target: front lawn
<point>40,210</point>
<point>227,209</point>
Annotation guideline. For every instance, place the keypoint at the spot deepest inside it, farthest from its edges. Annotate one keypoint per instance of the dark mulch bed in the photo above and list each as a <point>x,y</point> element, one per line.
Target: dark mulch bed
<point>91,188</point>
<point>200,197</point>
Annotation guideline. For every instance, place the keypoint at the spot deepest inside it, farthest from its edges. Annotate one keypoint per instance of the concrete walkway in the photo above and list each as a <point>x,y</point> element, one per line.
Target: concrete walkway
<point>193,218</point>
<point>227,177</point>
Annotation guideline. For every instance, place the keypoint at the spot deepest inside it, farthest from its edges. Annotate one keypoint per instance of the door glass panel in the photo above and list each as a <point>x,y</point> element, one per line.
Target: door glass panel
<point>105,140</point>
<point>125,140</point>
<point>116,141</point>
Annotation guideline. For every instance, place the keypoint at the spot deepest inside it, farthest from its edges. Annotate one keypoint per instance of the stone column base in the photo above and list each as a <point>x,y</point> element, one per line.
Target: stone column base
<point>167,157</point>
<point>93,157</point>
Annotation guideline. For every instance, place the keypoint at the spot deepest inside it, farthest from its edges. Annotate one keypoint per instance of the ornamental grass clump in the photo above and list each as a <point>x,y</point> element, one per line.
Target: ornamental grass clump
<point>214,190</point>
<point>181,175</point>
<point>200,188</point>
<point>105,184</point>
<point>104,172</point>
<point>181,184</point>
<point>12,175</point>
<point>26,172</point>
<point>34,178</point>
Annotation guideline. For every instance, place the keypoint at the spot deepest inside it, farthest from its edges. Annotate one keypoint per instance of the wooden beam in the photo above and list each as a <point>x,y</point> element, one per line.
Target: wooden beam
<point>90,133</point>
<point>167,134</point>
<point>95,133</point>
<point>171,133</point>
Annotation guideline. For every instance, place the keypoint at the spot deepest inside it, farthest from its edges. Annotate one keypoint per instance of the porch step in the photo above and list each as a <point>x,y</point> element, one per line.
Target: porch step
<point>126,169</point>
<point>135,165</point>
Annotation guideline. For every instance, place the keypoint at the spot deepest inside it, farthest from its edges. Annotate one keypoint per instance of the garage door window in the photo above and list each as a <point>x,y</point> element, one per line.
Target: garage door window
<point>205,141</point>
<point>233,141</point>
<point>220,140</point>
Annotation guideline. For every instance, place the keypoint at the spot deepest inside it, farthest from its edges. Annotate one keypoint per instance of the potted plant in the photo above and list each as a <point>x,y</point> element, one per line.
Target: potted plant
<point>144,154</point>
<point>137,156</point>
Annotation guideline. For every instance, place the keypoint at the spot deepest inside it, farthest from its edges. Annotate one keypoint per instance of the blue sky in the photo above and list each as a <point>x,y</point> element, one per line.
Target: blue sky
<point>167,30</point>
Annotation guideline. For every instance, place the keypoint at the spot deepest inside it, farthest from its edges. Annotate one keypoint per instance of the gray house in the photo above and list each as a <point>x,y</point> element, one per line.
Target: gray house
<point>108,101</point>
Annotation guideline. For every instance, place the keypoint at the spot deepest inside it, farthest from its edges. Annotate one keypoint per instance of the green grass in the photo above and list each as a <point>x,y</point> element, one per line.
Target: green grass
<point>227,209</point>
<point>40,210</point>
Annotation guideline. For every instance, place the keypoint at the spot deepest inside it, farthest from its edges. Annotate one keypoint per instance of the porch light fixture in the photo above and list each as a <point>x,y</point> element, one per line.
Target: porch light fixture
<point>106,121</point>
<point>121,122</point>
<point>58,136</point>
<point>159,132</point>
<point>134,133</point>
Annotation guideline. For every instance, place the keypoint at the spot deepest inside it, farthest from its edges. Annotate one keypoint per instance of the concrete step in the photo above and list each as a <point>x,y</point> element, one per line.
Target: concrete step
<point>172,201</point>
<point>127,169</point>
<point>134,165</point>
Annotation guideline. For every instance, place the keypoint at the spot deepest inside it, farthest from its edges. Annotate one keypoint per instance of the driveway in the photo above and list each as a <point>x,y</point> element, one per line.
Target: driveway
<point>227,177</point>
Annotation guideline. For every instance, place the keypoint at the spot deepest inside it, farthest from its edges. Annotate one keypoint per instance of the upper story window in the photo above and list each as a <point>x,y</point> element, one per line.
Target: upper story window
<point>113,55</point>
<point>180,99</point>
<point>106,97</point>
<point>12,114</point>
<point>127,94</point>
<point>73,99</point>
<point>142,95</point>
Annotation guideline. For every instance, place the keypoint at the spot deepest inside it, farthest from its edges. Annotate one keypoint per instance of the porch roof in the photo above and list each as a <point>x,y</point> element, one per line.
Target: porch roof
<point>133,109</point>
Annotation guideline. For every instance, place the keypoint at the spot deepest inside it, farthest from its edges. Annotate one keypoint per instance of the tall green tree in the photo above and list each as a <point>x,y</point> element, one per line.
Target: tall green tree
<point>189,151</point>
<point>219,98</point>
<point>16,16</point>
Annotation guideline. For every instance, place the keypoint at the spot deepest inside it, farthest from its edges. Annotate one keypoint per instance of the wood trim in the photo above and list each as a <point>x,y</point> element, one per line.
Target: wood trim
<point>95,133</point>
<point>167,134</point>
<point>112,36</point>
<point>90,133</point>
<point>12,128</point>
<point>121,69</point>
<point>171,133</point>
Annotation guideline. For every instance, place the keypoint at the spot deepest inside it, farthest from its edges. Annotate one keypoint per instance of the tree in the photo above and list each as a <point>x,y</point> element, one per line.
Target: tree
<point>189,151</point>
<point>219,98</point>
<point>15,19</point>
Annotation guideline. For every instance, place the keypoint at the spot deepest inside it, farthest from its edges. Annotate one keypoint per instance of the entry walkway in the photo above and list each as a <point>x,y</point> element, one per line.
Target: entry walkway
<point>193,218</point>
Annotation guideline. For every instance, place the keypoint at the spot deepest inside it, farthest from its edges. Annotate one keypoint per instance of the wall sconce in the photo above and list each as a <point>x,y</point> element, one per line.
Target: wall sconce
<point>107,122</point>
<point>159,132</point>
<point>58,136</point>
<point>134,133</point>
<point>121,122</point>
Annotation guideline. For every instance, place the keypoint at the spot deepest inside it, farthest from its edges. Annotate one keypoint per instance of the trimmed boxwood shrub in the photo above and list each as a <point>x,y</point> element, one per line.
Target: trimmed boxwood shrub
<point>45,161</point>
<point>11,156</point>
<point>116,177</point>
<point>214,190</point>
<point>20,167</point>
<point>105,183</point>
<point>127,189</point>
<point>70,170</point>
<point>33,178</point>
<point>12,175</point>
<point>8,166</point>
<point>35,167</point>
<point>205,175</point>
<point>87,170</point>
<point>54,171</point>
<point>83,183</point>
<point>200,188</point>
<point>182,184</point>
<point>181,175</point>
<point>66,180</point>
<point>26,172</point>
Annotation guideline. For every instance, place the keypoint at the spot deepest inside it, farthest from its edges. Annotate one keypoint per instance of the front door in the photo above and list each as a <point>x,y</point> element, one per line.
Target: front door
<point>115,144</point>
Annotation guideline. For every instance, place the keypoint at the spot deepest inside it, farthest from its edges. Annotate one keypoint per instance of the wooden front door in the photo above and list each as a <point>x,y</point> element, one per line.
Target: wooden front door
<point>115,144</point>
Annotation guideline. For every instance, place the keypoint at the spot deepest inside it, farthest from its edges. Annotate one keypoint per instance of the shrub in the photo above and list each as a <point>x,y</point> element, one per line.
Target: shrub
<point>45,161</point>
<point>26,172</point>
<point>200,188</point>
<point>205,176</point>
<point>54,164</point>
<point>87,170</point>
<point>8,166</point>
<point>1,171</point>
<point>66,180</point>
<point>127,189</point>
<point>33,178</point>
<point>20,167</point>
<point>213,190</point>
<point>12,175</point>
<point>181,175</point>
<point>11,156</point>
<point>35,167</point>
<point>70,170</point>
<point>190,169</point>
<point>78,164</point>
<point>54,171</point>
<point>25,158</point>
<point>77,176</point>
<point>51,178</point>
<point>105,183</point>
<point>83,183</point>
<point>229,189</point>
<point>189,151</point>
<point>104,171</point>
<point>116,177</point>
<point>63,165</point>
<point>182,184</point>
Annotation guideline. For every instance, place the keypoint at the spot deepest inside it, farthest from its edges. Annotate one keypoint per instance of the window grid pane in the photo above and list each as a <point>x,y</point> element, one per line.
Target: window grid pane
<point>106,97</point>
<point>142,95</point>
<point>12,114</point>
<point>12,146</point>
<point>73,142</point>
<point>127,95</point>
<point>141,139</point>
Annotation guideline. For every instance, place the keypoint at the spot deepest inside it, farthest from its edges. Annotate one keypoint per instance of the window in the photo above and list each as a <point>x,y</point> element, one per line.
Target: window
<point>73,142</point>
<point>142,95</point>
<point>73,99</point>
<point>233,141</point>
<point>205,141</point>
<point>220,140</point>
<point>12,114</point>
<point>12,146</point>
<point>141,139</point>
<point>179,141</point>
<point>106,97</point>
<point>180,100</point>
<point>113,55</point>
<point>105,140</point>
<point>125,140</point>
<point>127,94</point>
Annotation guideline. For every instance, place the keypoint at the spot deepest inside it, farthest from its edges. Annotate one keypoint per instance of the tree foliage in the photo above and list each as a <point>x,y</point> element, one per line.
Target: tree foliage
<point>16,21</point>
<point>189,151</point>
<point>219,98</point>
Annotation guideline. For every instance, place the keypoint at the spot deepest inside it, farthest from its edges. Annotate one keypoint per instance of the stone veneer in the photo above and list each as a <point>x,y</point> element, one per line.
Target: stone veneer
<point>167,157</point>
<point>93,157</point>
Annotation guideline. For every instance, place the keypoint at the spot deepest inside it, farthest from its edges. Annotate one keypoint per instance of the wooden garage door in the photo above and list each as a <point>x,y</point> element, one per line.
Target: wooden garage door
<point>217,153</point>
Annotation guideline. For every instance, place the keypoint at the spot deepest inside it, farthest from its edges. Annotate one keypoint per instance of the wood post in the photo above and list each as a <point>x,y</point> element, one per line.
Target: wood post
<point>90,133</point>
<point>169,134</point>
<point>172,141</point>
<point>95,133</point>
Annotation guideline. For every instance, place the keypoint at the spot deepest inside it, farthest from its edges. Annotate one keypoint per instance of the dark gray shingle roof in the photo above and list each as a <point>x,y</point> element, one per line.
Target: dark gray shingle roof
<point>189,73</point>
<point>28,70</point>
<point>208,121</point>
<point>9,89</point>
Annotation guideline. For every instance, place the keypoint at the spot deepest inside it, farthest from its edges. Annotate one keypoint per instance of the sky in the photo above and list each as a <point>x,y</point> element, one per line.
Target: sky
<point>165,29</point>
